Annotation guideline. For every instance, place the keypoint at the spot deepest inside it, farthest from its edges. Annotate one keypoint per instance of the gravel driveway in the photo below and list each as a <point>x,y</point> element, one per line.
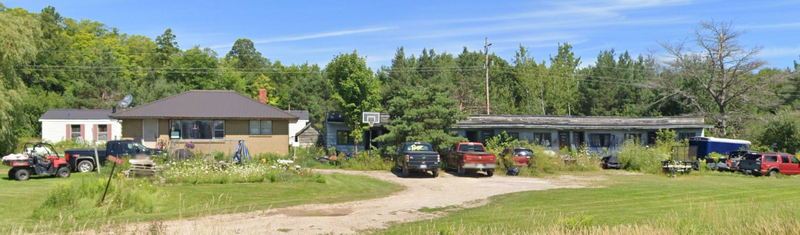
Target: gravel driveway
<point>350,217</point>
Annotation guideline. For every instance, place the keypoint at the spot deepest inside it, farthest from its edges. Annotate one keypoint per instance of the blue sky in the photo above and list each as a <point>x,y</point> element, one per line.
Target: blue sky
<point>315,31</point>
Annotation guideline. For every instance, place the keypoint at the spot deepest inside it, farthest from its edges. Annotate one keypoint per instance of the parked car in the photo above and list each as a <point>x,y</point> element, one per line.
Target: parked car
<point>517,156</point>
<point>82,160</point>
<point>417,157</point>
<point>769,164</point>
<point>610,162</point>
<point>470,157</point>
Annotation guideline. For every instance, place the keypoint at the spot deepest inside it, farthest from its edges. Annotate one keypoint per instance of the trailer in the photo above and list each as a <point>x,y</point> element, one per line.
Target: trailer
<point>701,147</point>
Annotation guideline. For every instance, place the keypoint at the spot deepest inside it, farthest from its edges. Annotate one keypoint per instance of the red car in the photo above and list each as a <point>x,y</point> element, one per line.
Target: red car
<point>470,157</point>
<point>519,156</point>
<point>769,164</point>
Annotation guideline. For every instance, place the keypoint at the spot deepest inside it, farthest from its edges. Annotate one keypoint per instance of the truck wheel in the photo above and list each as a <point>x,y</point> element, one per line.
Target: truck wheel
<point>435,173</point>
<point>773,173</point>
<point>489,173</point>
<point>63,172</point>
<point>11,173</point>
<point>22,174</point>
<point>85,166</point>
<point>461,170</point>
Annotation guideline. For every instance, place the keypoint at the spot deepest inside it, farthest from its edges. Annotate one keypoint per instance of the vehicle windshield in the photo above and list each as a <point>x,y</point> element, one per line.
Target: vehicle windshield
<point>470,148</point>
<point>418,147</point>
<point>523,152</point>
<point>752,157</point>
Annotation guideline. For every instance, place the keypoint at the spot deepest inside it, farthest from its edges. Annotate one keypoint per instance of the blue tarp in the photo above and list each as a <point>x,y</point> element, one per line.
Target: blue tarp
<point>241,153</point>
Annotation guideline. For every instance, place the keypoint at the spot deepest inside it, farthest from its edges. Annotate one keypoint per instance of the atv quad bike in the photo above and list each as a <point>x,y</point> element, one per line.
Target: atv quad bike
<point>38,159</point>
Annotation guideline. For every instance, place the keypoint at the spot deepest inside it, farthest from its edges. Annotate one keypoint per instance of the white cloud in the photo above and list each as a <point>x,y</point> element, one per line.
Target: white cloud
<point>770,52</point>
<point>772,26</point>
<point>311,36</point>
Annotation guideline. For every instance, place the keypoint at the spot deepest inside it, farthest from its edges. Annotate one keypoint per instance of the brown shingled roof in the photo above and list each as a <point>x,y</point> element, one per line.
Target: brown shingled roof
<point>217,104</point>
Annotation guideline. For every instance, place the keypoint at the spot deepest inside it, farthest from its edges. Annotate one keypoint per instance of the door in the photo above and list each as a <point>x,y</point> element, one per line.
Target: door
<point>563,139</point>
<point>787,166</point>
<point>149,132</point>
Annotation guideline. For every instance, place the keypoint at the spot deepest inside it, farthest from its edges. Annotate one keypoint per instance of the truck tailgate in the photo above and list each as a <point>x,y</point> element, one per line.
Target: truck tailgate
<point>479,157</point>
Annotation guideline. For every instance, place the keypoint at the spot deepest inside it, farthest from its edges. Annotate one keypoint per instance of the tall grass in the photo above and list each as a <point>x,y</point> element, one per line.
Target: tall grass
<point>546,161</point>
<point>80,199</point>
<point>635,157</point>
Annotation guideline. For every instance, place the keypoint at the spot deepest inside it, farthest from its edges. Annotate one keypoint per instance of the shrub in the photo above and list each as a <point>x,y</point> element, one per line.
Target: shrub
<point>635,157</point>
<point>363,161</point>
<point>546,161</point>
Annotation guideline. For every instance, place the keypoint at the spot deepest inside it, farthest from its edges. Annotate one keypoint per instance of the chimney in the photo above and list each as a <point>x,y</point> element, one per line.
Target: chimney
<point>263,96</point>
<point>113,109</point>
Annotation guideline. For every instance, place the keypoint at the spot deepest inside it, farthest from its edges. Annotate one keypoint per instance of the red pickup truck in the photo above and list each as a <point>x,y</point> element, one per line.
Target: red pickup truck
<point>769,164</point>
<point>470,157</point>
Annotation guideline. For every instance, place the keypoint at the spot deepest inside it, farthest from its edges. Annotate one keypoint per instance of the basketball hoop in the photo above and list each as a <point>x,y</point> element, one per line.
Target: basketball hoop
<point>371,118</point>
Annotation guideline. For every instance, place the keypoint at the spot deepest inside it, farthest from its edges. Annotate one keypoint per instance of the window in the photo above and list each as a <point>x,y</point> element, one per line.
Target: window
<point>219,129</point>
<point>102,132</point>
<point>418,147</point>
<point>260,127</point>
<point>636,137</point>
<point>514,135</point>
<point>470,148</point>
<point>343,137</point>
<point>542,139</point>
<point>771,158</point>
<point>75,132</point>
<point>794,160</point>
<point>600,140</point>
<point>784,159</point>
<point>686,135</point>
<point>196,129</point>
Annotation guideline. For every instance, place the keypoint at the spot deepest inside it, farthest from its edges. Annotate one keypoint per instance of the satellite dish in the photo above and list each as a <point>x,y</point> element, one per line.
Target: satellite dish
<point>125,102</point>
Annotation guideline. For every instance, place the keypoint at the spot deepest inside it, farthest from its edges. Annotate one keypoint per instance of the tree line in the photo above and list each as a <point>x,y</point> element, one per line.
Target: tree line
<point>50,61</point>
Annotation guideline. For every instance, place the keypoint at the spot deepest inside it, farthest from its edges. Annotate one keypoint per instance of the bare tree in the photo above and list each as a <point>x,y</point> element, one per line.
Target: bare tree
<point>716,76</point>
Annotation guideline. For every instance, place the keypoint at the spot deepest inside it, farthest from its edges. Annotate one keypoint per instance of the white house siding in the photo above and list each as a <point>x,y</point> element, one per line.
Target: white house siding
<point>294,128</point>
<point>55,130</point>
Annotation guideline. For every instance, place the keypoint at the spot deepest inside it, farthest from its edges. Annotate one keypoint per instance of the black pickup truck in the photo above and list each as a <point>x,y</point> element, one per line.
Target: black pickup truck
<point>82,160</point>
<point>417,156</point>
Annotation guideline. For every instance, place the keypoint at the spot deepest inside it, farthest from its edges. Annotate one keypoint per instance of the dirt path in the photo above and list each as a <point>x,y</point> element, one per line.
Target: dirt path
<point>351,217</point>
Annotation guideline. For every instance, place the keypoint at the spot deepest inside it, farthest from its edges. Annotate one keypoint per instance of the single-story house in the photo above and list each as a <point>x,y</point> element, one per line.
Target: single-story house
<point>296,126</point>
<point>212,120</point>
<point>337,133</point>
<point>599,134</point>
<point>91,125</point>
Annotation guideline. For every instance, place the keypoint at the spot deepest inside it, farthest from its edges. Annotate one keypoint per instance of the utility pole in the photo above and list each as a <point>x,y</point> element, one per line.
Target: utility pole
<point>486,45</point>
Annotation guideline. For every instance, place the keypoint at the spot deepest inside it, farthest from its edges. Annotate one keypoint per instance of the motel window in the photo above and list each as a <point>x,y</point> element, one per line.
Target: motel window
<point>260,127</point>
<point>542,139</point>
<point>514,135</point>
<point>102,132</point>
<point>600,140</point>
<point>197,129</point>
<point>343,137</point>
<point>75,132</point>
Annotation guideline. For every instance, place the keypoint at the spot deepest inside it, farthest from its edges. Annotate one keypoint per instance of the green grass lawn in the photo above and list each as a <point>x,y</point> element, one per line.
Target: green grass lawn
<point>649,204</point>
<point>19,199</point>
